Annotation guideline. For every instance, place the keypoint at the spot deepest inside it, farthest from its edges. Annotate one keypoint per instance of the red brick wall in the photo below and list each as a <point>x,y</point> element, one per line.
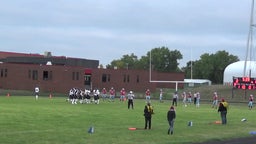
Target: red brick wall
<point>18,77</point>
<point>117,79</point>
<point>62,78</point>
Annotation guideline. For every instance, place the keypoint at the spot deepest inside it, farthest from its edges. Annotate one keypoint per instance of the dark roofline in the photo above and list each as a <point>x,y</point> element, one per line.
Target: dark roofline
<point>10,57</point>
<point>4,54</point>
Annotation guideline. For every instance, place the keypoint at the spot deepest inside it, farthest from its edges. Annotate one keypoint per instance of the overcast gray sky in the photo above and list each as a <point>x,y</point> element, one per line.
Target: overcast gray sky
<point>105,30</point>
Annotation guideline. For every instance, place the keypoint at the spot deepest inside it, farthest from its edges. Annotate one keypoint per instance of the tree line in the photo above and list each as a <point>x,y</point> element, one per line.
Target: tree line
<point>209,66</point>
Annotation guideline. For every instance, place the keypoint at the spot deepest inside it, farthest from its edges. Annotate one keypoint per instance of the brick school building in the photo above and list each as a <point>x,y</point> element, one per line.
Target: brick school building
<point>20,71</point>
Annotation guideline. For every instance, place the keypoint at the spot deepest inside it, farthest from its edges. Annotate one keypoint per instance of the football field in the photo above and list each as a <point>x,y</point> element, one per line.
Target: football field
<point>24,120</point>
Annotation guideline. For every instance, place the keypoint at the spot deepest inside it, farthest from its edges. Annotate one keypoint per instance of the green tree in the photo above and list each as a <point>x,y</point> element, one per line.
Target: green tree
<point>164,60</point>
<point>126,62</point>
<point>221,60</point>
<point>142,63</point>
<point>210,66</point>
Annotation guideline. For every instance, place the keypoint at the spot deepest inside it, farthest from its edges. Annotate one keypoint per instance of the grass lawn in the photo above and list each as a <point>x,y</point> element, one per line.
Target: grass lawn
<point>55,121</point>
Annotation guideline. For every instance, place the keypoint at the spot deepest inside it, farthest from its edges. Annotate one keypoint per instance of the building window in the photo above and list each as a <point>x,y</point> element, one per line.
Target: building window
<point>104,78</point>
<point>138,79</point>
<point>2,72</point>
<point>47,75</point>
<point>124,78</point>
<point>108,77</point>
<point>75,76</point>
<point>29,74</point>
<point>87,79</point>
<point>128,78</point>
<point>5,74</point>
<point>34,74</point>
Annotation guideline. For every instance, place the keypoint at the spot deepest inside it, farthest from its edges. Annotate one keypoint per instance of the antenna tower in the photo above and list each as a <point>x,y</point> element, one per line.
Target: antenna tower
<point>249,44</point>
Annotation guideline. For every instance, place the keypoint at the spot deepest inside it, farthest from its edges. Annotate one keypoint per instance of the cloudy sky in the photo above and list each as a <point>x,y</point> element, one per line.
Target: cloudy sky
<point>105,30</point>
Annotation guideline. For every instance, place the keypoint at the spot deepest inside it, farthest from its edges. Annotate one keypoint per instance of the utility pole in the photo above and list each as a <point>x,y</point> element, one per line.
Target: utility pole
<point>191,65</point>
<point>249,44</point>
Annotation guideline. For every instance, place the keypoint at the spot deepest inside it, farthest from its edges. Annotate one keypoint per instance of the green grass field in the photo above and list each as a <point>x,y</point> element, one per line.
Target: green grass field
<point>55,121</point>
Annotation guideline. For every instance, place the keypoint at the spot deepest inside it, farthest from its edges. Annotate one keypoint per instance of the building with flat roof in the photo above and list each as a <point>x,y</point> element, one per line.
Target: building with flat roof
<point>20,71</point>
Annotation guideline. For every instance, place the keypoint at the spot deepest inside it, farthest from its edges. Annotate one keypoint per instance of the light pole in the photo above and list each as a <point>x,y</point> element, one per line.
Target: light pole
<point>191,65</point>
<point>249,44</point>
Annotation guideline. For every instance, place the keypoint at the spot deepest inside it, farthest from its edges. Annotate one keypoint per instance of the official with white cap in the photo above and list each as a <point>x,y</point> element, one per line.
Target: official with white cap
<point>130,97</point>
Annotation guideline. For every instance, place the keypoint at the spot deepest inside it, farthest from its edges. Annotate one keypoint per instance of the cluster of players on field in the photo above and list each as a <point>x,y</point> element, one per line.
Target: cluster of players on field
<point>87,96</point>
<point>93,96</point>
